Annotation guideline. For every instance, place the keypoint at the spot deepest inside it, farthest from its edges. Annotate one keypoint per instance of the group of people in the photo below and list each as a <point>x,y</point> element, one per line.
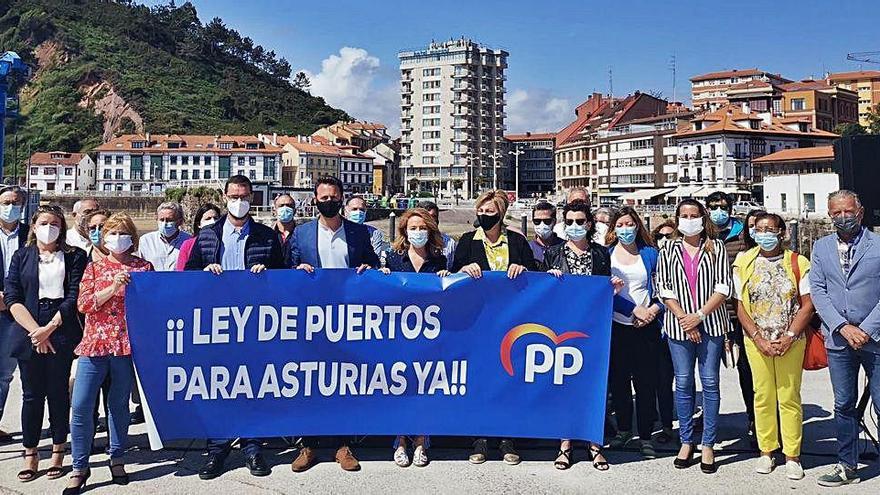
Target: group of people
<point>700,289</point>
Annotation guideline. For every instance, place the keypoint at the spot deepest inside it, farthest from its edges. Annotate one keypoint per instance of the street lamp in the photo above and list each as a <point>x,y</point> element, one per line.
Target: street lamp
<point>495,158</point>
<point>516,168</point>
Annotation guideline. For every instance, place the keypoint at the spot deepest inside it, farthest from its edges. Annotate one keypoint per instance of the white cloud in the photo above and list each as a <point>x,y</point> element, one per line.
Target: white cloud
<point>537,111</point>
<point>348,81</point>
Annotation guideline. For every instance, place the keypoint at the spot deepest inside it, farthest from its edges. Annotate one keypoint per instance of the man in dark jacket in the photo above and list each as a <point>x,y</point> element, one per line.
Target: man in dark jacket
<point>235,242</point>
<point>730,228</point>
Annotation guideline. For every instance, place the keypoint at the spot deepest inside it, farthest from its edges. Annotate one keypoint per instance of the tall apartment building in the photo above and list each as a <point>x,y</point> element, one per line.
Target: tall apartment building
<point>710,91</point>
<point>866,83</point>
<point>144,162</point>
<point>537,167</point>
<point>452,116</point>
<point>60,172</point>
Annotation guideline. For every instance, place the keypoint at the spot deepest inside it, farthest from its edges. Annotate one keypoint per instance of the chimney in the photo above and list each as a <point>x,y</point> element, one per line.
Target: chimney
<point>147,135</point>
<point>274,139</point>
<point>745,108</point>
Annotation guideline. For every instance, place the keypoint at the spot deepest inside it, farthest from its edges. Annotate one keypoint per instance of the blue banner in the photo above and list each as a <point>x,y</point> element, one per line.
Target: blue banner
<point>286,353</point>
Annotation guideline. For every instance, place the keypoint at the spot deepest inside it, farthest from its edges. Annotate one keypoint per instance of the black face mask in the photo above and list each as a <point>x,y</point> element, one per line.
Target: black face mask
<point>330,208</point>
<point>488,221</point>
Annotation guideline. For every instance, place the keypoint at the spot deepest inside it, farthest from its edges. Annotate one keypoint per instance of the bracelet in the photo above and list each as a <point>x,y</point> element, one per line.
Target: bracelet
<point>701,315</point>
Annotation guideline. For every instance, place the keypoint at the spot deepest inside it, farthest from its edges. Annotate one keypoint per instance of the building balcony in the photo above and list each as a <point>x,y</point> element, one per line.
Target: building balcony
<point>463,87</point>
<point>462,112</point>
<point>406,90</point>
<point>406,103</point>
<point>461,151</point>
<point>463,75</point>
<point>462,99</point>
<point>462,124</point>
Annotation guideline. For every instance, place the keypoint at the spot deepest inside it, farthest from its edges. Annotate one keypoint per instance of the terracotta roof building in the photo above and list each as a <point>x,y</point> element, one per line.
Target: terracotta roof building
<point>797,181</point>
<point>60,172</point>
<point>710,91</point>
<point>866,83</point>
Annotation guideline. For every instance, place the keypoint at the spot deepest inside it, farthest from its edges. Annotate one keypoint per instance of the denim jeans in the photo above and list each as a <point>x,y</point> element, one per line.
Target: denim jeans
<point>7,368</point>
<point>90,374</point>
<point>844,367</point>
<point>707,354</point>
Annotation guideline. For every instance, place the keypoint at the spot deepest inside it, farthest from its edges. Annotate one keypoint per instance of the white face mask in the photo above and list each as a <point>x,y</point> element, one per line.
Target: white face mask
<point>690,226</point>
<point>600,233</point>
<point>543,230</point>
<point>207,222</point>
<point>117,243</point>
<point>238,208</point>
<point>47,234</point>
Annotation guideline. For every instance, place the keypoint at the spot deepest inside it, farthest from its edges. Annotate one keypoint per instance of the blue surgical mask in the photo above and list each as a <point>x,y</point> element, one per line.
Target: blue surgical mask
<point>167,229</point>
<point>95,236</point>
<point>576,232</point>
<point>417,238</point>
<point>357,216</point>
<point>10,213</point>
<point>719,217</point>
<point>752,232</point>
<point>626,235</point>
<point>767,240</point>
<point>285,214</point>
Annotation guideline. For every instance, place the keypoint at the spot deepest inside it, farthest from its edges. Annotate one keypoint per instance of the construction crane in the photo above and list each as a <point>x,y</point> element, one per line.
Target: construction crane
<point>867,57</point>
<point>10,67</point>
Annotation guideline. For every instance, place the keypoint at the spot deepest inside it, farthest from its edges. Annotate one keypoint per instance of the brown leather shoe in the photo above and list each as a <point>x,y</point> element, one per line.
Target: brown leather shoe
<point>304,460</point>
<point>347,460</point>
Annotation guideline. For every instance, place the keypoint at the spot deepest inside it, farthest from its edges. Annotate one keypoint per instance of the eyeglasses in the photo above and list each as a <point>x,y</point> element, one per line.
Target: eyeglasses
<point>717,207</point>
<point>545,221</point>
<point>579,221</point>
<point>661,235</point>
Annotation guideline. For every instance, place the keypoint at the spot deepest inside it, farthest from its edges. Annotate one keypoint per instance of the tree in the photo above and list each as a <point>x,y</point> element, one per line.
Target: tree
<point>301,81</point>
<point>873,119</point>
<point>850,129</point>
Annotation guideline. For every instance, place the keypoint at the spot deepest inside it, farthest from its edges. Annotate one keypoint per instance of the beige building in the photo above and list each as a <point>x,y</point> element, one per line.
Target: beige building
<point>866,83</point>
<point>362,135</point>
<point>452,116</point>
<point>710,91</point>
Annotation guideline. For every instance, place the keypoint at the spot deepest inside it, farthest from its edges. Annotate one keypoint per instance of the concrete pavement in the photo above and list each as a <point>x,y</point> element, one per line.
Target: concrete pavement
<point>174,470</point>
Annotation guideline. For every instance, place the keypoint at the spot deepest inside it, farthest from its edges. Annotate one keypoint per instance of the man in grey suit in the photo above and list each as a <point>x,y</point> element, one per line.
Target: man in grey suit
<point>845,286</point>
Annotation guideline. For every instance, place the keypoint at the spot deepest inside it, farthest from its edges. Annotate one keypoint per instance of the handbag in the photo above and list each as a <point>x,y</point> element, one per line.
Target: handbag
<point>815,354</point>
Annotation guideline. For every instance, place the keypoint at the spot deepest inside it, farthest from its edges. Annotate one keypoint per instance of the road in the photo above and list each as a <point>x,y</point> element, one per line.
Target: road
<point>174,471</point>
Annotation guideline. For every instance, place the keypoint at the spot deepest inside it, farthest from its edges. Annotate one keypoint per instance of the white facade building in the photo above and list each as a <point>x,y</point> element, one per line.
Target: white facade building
<point>60,172</point>
<point>452,115</point>
<point>797,182</point>
<point>141,162</point>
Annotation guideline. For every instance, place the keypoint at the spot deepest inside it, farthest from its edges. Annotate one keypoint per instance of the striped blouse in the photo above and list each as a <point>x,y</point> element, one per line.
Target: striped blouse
<point>713,275</point>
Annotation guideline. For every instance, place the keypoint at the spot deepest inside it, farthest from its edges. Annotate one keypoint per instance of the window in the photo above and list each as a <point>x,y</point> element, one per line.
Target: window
<point>431,109</point>
<point>798,104</point>
<point>173,159</point>
<point>252,161</point>
<point>207,161</point>
<point>184,175</point>
<point>68,170</point>
<point>430,122</point>
<point>118,174</point>
<point>251,146</point>
<point>184,160</point>
<point>207,174</point>
<point>34,171</point>
<point>435,135</point>
<point>225,146</point>
<point>138,144</point>
<point>108,174</point>
<point>108,160</point>
<point>195,160</point>
<point>810,202</point>
<point>119,159</point>
<point>431,72</point>
<point>173,175</point>
<point>196,174</point>
<point>784,199</point>
<point>241,161</point>
<point>431,97</point>
<point>430,84</point>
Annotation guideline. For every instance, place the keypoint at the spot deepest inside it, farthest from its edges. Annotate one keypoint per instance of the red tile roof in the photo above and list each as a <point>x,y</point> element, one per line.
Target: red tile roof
<point>725,120</point>
<point>726,74</point>
<point>805,85</point>
<point>45,158</point>
<point>538,136</point>
<point>798,154</point>
<point>190,143</point>
<point>858,74</point>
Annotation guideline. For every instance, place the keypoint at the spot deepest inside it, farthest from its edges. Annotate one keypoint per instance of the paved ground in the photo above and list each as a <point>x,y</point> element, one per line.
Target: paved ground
<point>174,471</point>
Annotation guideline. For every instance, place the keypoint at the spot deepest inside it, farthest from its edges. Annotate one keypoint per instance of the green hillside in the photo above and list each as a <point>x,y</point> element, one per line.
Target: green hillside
<point>160,68</point>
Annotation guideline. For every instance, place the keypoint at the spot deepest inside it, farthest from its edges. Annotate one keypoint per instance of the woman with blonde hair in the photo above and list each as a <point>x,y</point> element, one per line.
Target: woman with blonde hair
<point>418,248</point>
<point>105,350</point>
<point>41,287</point>
<point>491,247</point>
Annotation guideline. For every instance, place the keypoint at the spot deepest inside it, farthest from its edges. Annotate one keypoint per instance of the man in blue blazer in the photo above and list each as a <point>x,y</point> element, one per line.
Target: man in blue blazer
<point>330,242</point>
<point>13,235</point>
<point>845,287</point>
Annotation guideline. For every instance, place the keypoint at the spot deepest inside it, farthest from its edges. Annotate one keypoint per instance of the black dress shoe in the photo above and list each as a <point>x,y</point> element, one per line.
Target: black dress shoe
<point>258,466</point>
<point>213,467</point>
<point>709,468</point>
<point>137,417</point>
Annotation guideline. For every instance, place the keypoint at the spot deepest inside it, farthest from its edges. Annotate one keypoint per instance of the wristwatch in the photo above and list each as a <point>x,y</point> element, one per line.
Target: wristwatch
<point>701,315</point>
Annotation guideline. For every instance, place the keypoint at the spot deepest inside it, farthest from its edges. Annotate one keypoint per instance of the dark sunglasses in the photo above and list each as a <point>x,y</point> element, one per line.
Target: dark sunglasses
<point>579,221</point>
<point>545,221</point>
<point>663,236</point>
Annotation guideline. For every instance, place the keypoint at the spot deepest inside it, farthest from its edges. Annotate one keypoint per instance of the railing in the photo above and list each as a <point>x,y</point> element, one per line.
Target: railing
<point>655,208</point>
<point>104,194</point>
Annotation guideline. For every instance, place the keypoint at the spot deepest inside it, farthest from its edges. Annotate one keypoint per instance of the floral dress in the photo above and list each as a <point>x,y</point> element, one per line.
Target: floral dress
<point>105,332</point>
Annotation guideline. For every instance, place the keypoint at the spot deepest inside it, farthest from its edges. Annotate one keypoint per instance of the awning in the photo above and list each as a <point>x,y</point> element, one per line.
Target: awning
<point>706,191</point>
<point>644,194</point>
<point>684,191</point>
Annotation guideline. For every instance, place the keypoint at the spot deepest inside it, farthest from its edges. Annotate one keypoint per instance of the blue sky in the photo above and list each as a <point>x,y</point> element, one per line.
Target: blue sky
<point>560,51</point>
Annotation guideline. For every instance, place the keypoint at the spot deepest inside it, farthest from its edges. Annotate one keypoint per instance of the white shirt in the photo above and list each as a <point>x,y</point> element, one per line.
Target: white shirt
<point>161,253</point>
<point>635,286</point>
<point>52,276</point>
<point>74,239</point>
<point>9,245</point>
<point>332,246</point>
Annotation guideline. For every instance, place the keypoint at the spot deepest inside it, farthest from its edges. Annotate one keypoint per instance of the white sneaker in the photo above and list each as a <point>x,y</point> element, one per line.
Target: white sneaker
<point>420,456</point>
<point>765,464</point>
<point>794,470</point>
<point>401,458</point>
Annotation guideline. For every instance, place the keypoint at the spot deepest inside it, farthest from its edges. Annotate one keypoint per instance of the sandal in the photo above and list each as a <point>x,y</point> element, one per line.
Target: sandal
<point>26,475</point>
<point>119,479</point>
<point>55,472</point>
<point>594,451</point>
<point>563,460</point>
<point>83,477</point>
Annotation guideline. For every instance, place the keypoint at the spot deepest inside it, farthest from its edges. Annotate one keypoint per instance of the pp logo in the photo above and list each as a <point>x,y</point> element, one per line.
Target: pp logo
<point>562,361</point>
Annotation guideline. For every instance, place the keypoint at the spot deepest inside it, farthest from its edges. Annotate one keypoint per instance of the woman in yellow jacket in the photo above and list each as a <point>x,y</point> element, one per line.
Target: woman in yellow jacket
<point>774,306</point>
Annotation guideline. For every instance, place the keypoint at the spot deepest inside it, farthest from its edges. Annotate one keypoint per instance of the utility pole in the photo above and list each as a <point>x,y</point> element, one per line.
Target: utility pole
<point>516,168</point>
<point>672,68</point>
<point>610,82</point>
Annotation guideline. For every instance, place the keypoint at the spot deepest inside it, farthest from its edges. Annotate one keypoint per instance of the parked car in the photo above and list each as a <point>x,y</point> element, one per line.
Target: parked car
<point>744,207</point>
